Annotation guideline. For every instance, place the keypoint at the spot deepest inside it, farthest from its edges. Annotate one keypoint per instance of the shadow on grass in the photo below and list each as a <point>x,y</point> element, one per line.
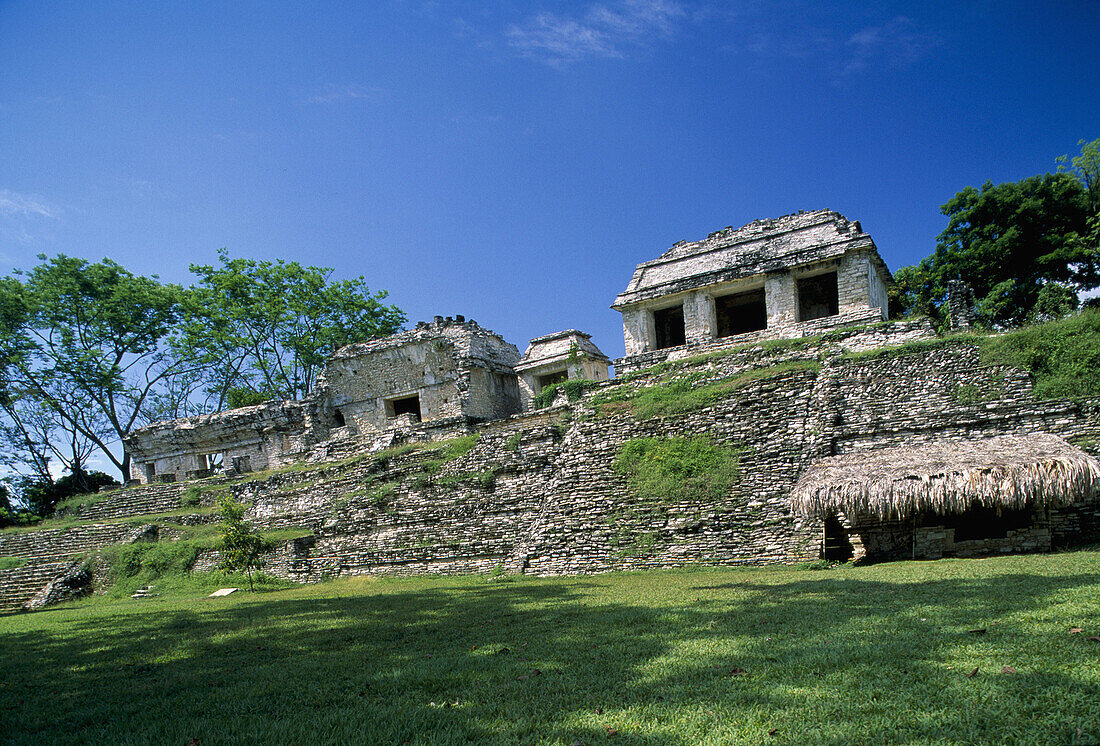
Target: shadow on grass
<point>838,660</point>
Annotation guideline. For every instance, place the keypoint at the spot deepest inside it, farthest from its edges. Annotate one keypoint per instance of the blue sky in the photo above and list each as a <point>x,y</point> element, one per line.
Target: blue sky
<point>513,161</point>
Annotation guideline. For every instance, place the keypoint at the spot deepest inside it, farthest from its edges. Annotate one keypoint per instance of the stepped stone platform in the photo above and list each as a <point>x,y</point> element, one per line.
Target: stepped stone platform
<point>541,494</point>
<point>19,585</point>
<point>156,498</point>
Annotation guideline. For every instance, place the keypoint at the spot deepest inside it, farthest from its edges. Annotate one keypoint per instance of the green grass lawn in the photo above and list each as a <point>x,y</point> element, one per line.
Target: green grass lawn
<point>954,651</point>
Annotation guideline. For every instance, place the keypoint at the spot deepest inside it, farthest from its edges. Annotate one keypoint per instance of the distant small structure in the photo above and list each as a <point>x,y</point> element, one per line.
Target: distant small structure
<point>556,357</point>
<point>783,277</point>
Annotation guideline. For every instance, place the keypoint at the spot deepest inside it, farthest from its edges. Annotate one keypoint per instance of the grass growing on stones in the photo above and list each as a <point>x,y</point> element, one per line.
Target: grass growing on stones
<point>671,469</point>
<point>1063,357</point>
<point>10,563</point>
<point>687,393</point>
<point>948,652</point>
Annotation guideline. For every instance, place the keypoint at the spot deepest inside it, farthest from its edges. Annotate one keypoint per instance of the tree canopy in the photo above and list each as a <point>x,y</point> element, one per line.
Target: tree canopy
<point>268,327</point>
<point>90,351</point>
<point>84,350</point>
<point>1022,246</point>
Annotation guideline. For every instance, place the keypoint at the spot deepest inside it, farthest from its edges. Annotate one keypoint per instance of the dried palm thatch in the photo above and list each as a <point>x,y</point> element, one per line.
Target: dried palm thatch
<point>1004,473</point>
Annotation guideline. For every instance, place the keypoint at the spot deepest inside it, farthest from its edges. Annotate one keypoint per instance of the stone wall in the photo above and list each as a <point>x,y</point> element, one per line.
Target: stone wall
<point>852,332</point>
<point>539,493</point>
<point>359,386</point>
<point>61,543</point>
<point>556,504</point>
<point>455,367</point>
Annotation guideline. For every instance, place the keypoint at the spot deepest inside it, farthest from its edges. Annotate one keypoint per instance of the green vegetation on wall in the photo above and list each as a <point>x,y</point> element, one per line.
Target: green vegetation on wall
<point>574,389</point>
<point>1063,357</point>
<point>674,469</point>
<point>688,392</point>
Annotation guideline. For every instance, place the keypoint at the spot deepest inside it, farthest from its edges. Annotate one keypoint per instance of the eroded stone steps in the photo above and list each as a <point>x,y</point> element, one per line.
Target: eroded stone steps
<point>53,544</point>
<point>123,504</point>
<point>18,585</point>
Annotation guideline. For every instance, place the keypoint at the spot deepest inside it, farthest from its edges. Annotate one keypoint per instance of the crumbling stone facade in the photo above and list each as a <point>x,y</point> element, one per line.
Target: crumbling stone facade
<point>447,374</point>
<point>448,370</point>
<point>235,441</point>
<point>553,358</point>
<point>799,274</point>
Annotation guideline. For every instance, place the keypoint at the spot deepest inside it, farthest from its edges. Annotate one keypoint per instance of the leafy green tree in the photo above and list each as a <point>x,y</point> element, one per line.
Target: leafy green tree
<point>242,397</point>
<point>268,327</point>
<point>242,548</point>
<point>1009,240</point>
<point>89,343</point>
<point>42,496</point>
<point>1086,167</point>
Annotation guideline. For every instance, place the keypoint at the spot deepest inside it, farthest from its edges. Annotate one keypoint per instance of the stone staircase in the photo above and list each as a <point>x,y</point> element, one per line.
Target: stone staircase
<point>50,552</point>
<point>18,585</point>
<point>61,543</point>
<point>156,498</point>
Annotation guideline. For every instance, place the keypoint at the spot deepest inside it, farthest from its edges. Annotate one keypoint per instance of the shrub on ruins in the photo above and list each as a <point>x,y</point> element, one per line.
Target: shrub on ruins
<point>241,547</point>
<point>268,327</point>
<point>1022,246</point>
<point>574,389</point>
<point>673,469</point>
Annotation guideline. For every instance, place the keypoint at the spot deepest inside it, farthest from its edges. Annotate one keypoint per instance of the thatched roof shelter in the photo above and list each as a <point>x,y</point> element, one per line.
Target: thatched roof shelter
<point>1004,473</point>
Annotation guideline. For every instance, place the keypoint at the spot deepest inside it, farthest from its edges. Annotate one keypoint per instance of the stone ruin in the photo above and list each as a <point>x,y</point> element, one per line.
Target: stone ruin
<point>558,357</point>
<point>786,277</point>
<point>792,276</point>
<point>539,490</point>
<point>438,379</point>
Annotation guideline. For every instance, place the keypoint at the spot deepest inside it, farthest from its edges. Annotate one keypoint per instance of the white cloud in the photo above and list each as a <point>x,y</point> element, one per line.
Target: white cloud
<point>20,213</point>
<point>898,41</point>
<point>12,203</point>
<point>332,92</point>
<point>602,30</point>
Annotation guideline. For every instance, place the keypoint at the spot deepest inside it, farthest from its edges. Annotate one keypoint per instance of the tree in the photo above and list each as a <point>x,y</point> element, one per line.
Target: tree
<point>1007,241</point>
<point>89,344</point>
<point>1086,167</point>
<point>42,496</point>
<point>269,327</point>
<point>241,547</point>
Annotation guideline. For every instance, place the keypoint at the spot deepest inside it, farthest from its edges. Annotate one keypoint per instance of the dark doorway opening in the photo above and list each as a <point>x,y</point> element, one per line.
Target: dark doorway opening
<point>550,379</point>
<point>982,523</point>
<point>818,297</point>
<point>669,326</point>
<point>338,418</point>
<point>405,405</point>
<point>837,546</point>
<point>740,313</point>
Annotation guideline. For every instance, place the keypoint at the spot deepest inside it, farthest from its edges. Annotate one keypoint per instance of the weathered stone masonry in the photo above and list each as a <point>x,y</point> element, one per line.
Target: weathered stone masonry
<point>538,492</point>
<point>557,506</point>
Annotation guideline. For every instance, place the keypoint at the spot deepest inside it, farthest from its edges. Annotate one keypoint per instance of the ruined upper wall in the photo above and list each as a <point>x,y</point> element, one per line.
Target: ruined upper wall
<point>247,438</point>
<point>761,247</point>
<point>453,367</point>
<point>565,354</point>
